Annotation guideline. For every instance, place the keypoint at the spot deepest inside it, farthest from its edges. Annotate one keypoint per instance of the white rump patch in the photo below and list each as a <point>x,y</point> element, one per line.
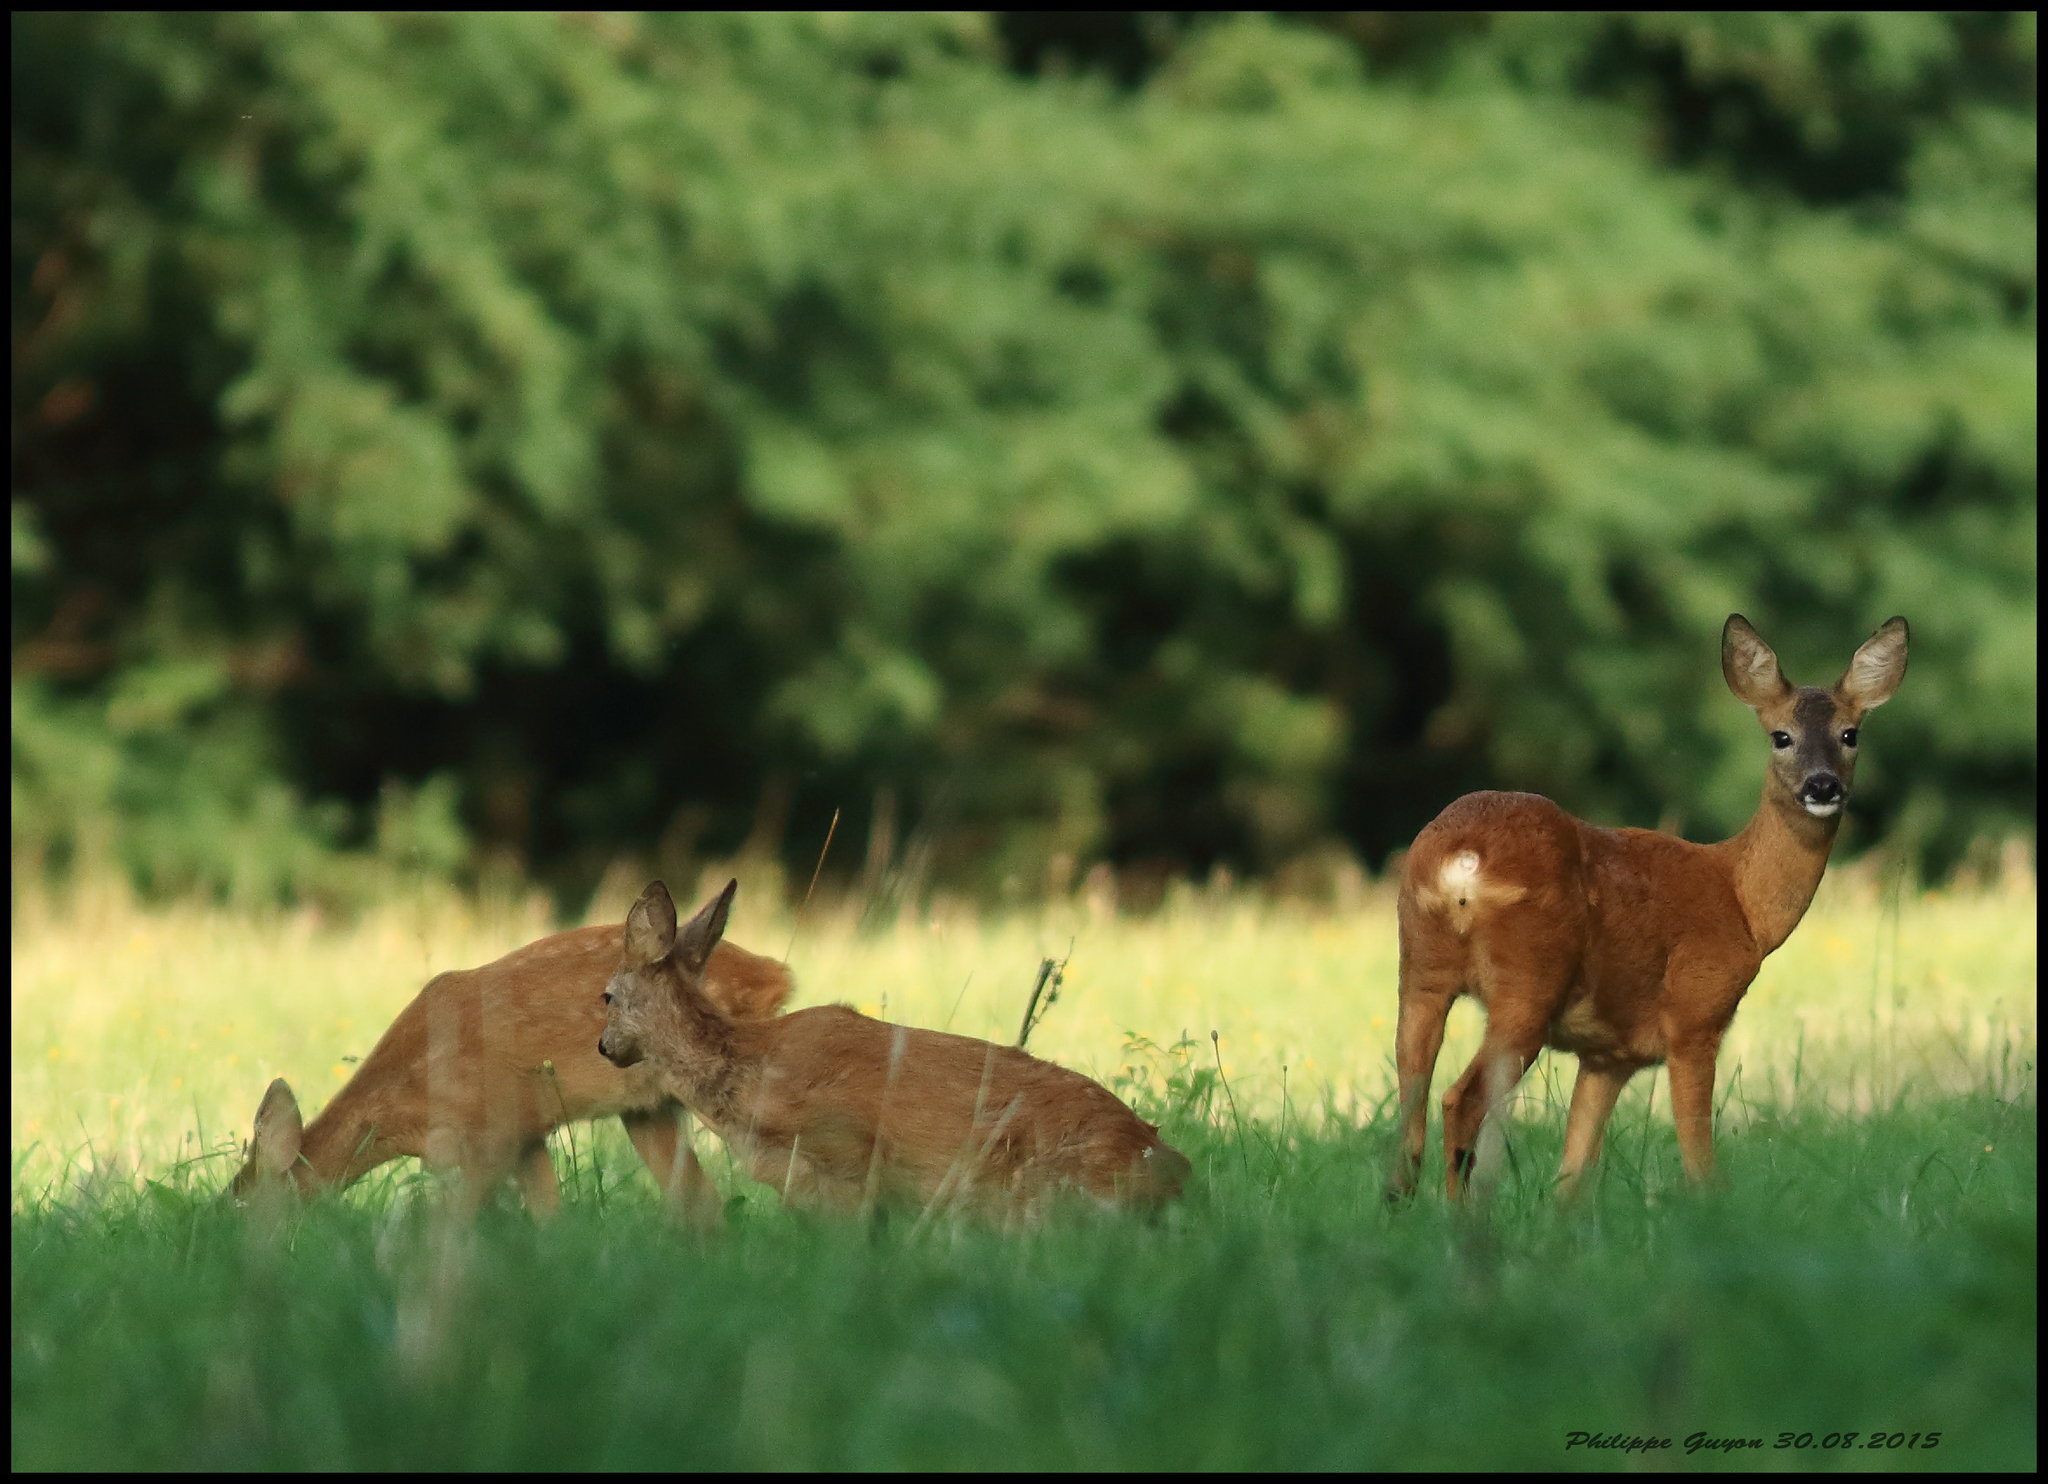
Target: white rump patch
<point>1460,891</point>
<point>1459,877</point>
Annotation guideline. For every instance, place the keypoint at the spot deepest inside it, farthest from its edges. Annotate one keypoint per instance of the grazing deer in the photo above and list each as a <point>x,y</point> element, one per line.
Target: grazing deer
<point>1627,947</point>
<point>837,1110</point>
<point>485,1063</point>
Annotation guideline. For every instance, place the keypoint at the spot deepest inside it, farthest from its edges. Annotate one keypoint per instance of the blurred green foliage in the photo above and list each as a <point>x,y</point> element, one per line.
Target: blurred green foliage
<point>530,438</point>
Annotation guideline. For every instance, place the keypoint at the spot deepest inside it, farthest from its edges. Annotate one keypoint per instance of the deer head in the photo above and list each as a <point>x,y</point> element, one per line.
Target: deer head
<point>1813,732</point>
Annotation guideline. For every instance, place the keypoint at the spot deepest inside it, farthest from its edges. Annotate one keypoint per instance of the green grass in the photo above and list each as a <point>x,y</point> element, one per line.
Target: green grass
<point>1865,1264</point>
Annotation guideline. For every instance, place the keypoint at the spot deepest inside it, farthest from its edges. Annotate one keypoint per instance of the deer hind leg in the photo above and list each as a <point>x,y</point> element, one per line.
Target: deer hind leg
<point>662,1144</point>
<point>1518,1010</point>
<point>1593,1099</point>
<point>1524,961</point>
<point>1425,1006</point>
<point>1476,1095</point>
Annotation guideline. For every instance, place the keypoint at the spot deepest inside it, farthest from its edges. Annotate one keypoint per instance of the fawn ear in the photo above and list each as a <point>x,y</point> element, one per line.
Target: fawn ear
<point>701,934</point>
<point>1878,667</point>
<point>275,1147</point>
<point>1748,665</point>
<point>650,927</point>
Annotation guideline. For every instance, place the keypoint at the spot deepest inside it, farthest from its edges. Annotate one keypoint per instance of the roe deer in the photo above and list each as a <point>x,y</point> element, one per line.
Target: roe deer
<point>1628,947</point>
<point>838,1110</point>
<point>484,1063</point>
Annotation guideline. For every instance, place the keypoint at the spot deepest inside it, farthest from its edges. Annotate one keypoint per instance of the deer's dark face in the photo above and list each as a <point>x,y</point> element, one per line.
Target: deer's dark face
<point>1815,734</point>
<point>1814,740</point>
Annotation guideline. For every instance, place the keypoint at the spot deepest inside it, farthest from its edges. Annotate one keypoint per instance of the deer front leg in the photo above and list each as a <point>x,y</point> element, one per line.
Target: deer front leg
<point>1692,1105</point>
<point>1702,988</point>
<point>537,1182</point>
<point>658,1137</point>
<point>1593,1098</point>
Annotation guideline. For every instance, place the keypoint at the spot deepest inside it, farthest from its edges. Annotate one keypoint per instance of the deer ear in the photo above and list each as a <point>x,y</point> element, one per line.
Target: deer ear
<point>650,927</point>
<point>275,1147</point>
<point>701,934</point>
<point>1877,668</point>
<point>1748,665</point>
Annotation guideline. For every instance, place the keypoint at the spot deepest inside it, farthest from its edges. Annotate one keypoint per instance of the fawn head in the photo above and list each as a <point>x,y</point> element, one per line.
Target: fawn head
<point>658,966</point>
<point>274,1149</point>
<point>1813,732</point>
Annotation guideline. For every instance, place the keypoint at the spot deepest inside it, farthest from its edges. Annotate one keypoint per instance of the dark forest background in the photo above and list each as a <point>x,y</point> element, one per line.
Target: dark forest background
<point>504,443</point>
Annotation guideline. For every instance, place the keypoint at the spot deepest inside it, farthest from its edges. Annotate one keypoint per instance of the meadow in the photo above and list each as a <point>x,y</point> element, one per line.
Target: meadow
<point>1856,1290</point>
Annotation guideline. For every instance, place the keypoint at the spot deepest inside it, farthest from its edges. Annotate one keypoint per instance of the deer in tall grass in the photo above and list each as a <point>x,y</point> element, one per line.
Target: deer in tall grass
<point>1627,947</point>
<point>485,1063</point>
<point>839,1111</point>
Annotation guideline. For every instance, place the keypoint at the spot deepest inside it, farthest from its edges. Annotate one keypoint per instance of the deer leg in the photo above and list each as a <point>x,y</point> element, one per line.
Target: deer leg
<point>1503,1057</point>
<point>1417,1039</point>
<point>1457,1137</point>
<point>1692,1105</point>
<point>1593,1099</point>
<point>658,1136</point>
<point>1523,964</point>
<point>1703,989</point>
<point>537,1182</point>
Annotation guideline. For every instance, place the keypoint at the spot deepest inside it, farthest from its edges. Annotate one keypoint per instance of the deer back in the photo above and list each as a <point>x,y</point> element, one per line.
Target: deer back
<point>920,1113</point>
<point>497,1056</point>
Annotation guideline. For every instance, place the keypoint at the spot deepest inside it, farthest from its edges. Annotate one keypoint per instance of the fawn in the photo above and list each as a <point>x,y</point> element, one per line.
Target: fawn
<point>484,1063</point>
<point>1628,947</point>
<point>837,1110</point>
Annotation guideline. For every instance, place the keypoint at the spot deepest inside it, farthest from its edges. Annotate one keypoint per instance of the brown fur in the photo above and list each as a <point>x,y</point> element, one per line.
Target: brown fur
<point>838,1110</point>
<point>1625,946</point>
<point>485,1063</point>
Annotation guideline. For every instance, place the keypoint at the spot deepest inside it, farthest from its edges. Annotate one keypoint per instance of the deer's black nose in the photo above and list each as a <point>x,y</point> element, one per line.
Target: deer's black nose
<point>1825,788</point>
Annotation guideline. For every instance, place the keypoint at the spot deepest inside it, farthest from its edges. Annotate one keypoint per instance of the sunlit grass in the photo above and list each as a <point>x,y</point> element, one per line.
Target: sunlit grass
<point>144,1036</point>
<point>1865,1265</point>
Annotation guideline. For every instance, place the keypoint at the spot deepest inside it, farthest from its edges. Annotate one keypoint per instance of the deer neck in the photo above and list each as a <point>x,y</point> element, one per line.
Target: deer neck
<point>339,1145</point>
<point>704,1070</point>
<point>1778,860</point>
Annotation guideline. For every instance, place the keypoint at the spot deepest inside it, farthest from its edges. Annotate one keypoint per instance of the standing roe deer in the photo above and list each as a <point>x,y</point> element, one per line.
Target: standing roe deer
<point>1628,947</point>
<point>838,1110</point>
<point>485,1063</point>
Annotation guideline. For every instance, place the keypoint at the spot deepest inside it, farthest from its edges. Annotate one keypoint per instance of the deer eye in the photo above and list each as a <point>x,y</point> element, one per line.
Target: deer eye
<point>1849,737</point>
<point>1781,740</point>
<point>607,997</point>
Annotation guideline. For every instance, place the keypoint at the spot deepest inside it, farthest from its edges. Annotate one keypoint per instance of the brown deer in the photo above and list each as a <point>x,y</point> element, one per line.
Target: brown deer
<point>485,1063</point>
<point>837,1110</point>
<point>1628,947</point>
